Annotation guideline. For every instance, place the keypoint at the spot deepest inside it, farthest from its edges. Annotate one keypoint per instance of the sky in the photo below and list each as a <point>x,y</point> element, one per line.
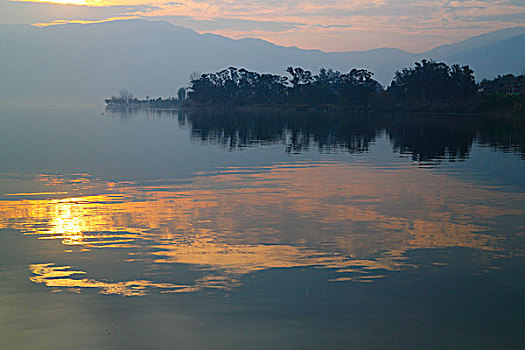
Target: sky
<point>328,25</point>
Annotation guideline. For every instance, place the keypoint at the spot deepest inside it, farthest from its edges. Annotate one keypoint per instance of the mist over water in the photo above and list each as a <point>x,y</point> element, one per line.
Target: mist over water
<point>125,228</point>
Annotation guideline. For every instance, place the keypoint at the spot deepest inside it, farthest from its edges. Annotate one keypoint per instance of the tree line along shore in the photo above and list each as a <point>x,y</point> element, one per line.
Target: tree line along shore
<point>429,86</point>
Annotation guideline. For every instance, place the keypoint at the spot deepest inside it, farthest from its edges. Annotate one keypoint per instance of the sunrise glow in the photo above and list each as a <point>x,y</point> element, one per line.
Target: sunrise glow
<point>329,26</point>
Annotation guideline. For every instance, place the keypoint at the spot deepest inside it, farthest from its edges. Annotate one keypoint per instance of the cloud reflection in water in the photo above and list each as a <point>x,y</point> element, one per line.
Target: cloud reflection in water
<point>359,220</point>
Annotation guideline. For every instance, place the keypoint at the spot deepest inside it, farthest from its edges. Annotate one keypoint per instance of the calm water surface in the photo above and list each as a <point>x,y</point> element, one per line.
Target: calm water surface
<point>132,229</point>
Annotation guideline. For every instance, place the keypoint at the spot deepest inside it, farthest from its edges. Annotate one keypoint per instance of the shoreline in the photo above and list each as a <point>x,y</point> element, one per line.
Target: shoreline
<point>305,109</point>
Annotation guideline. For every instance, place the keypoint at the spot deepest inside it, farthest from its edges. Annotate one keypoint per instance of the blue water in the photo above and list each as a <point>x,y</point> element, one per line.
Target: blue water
<point>146,229</point>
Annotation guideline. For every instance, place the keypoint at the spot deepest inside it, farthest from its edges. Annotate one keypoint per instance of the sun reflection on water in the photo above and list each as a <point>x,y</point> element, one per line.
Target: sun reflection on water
<point>359,221</point>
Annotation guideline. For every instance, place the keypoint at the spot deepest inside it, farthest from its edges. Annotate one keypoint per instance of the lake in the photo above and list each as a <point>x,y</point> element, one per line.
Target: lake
<point>144,229</point>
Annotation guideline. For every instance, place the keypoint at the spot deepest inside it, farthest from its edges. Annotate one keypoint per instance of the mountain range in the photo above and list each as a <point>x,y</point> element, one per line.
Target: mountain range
<point>88,62</point>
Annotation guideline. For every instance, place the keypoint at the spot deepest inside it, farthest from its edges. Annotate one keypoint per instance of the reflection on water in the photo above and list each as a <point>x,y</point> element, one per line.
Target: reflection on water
<point>359,220</point>
<point>271,230</point>
<point>61,277</point>
<point>424,137</point>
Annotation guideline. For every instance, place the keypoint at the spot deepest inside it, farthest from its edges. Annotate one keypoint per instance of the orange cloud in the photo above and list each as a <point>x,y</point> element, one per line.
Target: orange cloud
<point>415,26</point>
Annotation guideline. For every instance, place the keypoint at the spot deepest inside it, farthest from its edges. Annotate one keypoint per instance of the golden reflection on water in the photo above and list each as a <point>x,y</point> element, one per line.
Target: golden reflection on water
<point>355,219</point>
<point>60,277</point>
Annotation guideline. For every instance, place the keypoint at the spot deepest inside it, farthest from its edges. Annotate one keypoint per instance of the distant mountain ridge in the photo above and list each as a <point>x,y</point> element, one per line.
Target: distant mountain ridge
<point>475,42</point>
<point>86,63</point>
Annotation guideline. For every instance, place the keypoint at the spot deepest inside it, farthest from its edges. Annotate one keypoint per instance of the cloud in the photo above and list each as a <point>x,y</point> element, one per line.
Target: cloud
<point>412,25</point>
<point>507,17</point>
<point>33,12</point>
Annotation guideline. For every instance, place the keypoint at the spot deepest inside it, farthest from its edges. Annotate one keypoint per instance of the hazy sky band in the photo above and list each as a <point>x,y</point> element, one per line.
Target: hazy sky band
<point>329,25</point>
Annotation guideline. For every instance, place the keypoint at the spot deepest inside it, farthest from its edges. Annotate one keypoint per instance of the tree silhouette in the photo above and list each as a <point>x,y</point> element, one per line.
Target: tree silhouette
<point>181,94</point>
<point>431,82</point>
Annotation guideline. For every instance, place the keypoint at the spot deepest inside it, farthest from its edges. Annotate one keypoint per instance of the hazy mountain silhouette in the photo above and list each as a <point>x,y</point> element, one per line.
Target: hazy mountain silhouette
<point>506,56</point>
<point>86,63</point>
<point>475,42</point>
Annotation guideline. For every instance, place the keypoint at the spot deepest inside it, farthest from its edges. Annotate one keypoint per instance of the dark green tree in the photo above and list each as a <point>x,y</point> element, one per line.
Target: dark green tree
<point>431,82</point>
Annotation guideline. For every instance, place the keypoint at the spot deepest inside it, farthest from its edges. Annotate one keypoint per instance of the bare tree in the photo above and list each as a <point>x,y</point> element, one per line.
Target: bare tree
<point>125,95</point>
<point>195,75</point>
